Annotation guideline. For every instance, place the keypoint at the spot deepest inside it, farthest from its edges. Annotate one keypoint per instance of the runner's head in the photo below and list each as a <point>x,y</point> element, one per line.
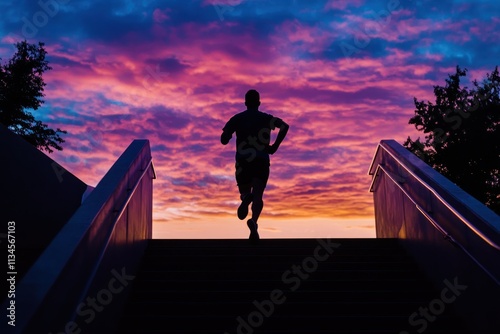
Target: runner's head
<point>252,99</point>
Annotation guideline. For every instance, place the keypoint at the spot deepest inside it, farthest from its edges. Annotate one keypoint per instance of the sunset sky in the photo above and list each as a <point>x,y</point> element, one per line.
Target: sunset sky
<point>342,74</point>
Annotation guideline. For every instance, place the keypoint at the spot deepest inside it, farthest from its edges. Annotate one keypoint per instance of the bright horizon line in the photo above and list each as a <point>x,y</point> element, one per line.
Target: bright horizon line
<point>269,228</point>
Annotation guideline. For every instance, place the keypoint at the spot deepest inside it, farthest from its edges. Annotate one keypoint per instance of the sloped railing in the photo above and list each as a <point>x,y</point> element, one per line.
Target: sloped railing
<point>80,282</point>
<point>453,236</point>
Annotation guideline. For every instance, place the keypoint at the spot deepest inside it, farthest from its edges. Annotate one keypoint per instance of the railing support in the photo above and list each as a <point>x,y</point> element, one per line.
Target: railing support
<point>95,249</point>
<point>450,234</point>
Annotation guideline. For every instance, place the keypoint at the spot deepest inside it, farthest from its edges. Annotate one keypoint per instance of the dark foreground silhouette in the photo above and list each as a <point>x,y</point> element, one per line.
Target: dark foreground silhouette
<point>253,135</point>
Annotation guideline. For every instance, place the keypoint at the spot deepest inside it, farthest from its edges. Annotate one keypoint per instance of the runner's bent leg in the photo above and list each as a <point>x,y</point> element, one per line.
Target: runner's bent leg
<point>244,190</point>
<point>259,182</point>
<point>257,204</point>
<point>244,182</point>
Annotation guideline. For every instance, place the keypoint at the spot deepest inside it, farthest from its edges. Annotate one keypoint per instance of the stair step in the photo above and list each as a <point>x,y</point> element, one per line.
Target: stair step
<point>362,283</point>
<point>340,295</point>
<point>290,306</point>
<point>211,286</point>
<point>333,323</point>
<point>277,331</point>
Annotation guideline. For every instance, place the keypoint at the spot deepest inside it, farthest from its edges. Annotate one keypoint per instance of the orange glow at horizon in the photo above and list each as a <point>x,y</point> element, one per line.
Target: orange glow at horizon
<point>232,228</point>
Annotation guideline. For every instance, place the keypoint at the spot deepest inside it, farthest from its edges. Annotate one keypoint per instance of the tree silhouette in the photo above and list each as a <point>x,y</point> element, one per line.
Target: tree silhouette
<point>462,139</point>
<point>21,90</point>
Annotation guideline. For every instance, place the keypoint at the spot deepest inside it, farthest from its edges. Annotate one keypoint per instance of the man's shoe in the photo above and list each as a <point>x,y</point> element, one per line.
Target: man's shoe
<point>243,208</point>
<point>254,235</point>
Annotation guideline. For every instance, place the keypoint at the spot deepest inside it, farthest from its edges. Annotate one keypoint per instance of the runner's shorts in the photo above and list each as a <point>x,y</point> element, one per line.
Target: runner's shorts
<point>246,171</point>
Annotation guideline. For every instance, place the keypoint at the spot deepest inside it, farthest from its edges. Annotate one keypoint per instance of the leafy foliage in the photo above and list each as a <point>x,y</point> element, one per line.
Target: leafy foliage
<point>21,90</point>
<point>462,135</point>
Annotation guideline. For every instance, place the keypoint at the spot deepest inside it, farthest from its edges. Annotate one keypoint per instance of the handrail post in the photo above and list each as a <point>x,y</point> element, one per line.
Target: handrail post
<point>451,235</point>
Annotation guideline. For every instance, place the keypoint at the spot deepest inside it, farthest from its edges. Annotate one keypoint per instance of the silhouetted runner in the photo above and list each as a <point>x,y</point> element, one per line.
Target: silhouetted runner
<point>253,134</point>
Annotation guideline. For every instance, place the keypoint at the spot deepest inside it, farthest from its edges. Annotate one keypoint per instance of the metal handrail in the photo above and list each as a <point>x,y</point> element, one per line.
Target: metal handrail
<point>418,206</point>
<point>120,213</point>
<point>132,191</point>
<point>447,235</point>
<point>441,199</point>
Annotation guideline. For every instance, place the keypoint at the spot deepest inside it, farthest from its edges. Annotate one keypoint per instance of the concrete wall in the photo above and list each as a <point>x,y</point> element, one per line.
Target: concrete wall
<point>397,216</point>
<point>36,193</point>
<point>80,282</point>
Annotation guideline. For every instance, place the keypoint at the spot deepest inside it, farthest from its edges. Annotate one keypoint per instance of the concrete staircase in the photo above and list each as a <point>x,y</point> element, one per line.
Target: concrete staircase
<point>283,286</point>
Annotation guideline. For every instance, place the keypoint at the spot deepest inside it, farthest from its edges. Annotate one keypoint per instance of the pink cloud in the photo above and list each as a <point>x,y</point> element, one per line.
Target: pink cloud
<point>160,16</point>
<point>342,4</point>
<point>179,94</point>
